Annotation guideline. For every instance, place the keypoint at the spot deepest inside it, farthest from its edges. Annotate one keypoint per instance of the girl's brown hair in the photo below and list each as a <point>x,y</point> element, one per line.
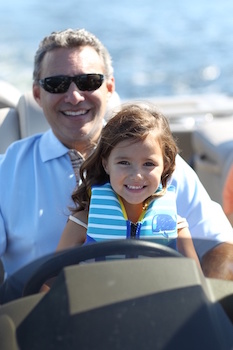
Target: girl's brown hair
<point>134,122</point>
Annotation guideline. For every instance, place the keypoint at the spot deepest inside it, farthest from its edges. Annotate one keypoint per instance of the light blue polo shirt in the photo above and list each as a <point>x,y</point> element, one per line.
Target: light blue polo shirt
<point>36,182</point>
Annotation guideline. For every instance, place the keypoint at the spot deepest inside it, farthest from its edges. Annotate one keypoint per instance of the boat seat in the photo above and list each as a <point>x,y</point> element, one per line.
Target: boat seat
<point>31,116</point>
<point>9,95</point>
<point>9,127</point>
<point>213,154</point>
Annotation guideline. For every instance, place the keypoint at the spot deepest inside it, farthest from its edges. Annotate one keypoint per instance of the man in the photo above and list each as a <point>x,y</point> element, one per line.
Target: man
<point>73,82</point>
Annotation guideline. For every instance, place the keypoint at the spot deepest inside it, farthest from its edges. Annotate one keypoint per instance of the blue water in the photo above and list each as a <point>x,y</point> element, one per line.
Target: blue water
<point>159,48</point>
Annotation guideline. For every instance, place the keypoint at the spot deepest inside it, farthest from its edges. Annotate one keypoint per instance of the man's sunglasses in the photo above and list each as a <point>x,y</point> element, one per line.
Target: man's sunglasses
<point>61,83</point>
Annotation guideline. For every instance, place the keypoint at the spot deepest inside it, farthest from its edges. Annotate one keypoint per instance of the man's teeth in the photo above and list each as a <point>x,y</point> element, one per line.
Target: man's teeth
<point>134,187</point>
<point>75,113</point>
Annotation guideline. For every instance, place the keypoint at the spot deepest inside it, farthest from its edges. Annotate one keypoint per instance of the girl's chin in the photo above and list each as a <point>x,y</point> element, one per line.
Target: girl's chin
<point>133,201</point>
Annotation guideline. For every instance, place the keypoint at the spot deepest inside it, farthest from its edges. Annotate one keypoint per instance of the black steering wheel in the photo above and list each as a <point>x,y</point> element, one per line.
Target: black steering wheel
<point>73,256</point>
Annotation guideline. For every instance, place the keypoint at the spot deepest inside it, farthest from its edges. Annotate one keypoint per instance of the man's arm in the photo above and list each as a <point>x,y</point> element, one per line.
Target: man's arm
<point>218,262</point>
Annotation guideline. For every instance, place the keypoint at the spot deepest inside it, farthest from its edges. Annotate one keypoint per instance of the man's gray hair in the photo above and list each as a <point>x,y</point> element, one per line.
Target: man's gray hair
<point>71,38</point>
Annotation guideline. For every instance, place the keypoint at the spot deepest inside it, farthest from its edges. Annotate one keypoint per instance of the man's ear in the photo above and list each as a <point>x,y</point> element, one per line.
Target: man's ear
<point>105,165</point>
<point>36,93</point>
<point>111,85</point>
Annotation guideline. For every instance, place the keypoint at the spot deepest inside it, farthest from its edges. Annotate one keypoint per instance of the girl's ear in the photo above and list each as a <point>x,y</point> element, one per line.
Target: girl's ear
<point>105,165</point>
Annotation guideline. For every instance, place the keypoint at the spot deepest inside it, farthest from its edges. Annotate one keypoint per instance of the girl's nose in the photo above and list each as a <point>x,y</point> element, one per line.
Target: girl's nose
<point>136,173</point>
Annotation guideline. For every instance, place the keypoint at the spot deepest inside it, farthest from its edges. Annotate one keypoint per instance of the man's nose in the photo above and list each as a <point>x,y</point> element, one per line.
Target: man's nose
<point>74,95</point>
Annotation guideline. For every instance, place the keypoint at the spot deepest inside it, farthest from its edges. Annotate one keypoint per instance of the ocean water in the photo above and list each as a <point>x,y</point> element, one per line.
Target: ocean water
<point>159,48</point>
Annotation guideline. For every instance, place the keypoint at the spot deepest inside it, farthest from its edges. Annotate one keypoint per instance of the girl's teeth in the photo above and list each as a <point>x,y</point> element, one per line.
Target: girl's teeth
<point>135,187</point>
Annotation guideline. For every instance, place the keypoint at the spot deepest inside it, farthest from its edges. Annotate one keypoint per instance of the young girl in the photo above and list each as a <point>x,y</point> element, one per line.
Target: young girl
<point>125,190</point>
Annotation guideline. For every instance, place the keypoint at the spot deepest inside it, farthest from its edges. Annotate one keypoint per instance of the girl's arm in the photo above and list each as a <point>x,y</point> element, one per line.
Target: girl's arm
<point>184,241</point>
<point>75,231</point>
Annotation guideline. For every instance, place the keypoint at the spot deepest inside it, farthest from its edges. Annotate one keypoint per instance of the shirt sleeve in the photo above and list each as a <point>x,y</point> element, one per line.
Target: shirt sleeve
<point>2,236</point>
<point>181,223</point>
<point>208,224</point>
<point>228,193</point>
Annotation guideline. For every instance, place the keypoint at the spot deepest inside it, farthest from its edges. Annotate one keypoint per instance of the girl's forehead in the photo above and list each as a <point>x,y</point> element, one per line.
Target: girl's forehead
<point>151,138</point>
<point>148,145</point>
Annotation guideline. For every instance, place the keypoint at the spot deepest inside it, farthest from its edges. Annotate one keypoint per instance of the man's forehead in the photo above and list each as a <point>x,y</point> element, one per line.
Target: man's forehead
<point>72,61</point>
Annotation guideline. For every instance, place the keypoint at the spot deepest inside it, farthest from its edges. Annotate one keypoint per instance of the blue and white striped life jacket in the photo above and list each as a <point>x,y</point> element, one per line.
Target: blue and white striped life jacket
<point>107,218</point>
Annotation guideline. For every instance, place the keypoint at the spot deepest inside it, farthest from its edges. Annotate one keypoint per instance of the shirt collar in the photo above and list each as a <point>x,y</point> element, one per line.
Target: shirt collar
<point>51,147</point>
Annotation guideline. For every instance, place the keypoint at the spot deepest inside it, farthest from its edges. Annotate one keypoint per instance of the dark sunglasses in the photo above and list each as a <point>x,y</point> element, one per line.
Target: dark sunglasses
<point>61,83</point>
